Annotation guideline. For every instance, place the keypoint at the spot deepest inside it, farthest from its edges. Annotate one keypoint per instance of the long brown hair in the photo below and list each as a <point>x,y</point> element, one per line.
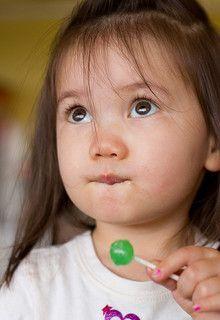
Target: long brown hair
<point>181,28</point>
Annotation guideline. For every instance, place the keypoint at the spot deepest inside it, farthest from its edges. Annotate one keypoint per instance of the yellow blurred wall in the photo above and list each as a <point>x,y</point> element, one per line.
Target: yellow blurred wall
<point>23,55</point>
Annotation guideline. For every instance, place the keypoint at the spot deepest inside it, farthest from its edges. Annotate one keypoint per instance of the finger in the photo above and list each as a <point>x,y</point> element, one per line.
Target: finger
<point>206,288</point>
<point>184,256</point>
<point>169,283</point>
<point>206,316</point>
<point>196,273</point>
<point>209,304</point>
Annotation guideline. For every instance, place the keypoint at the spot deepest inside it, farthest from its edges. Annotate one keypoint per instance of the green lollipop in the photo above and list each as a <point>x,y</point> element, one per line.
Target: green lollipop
<point>122,253</point>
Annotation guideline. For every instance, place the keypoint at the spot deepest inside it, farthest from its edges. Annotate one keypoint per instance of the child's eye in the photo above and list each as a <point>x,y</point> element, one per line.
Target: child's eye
<point>142,106</point>
<point>77,114</point>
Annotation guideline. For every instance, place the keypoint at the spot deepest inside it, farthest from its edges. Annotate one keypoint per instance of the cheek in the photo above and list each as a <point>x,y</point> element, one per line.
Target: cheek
<point>69,154</point>
<point>170,164</point>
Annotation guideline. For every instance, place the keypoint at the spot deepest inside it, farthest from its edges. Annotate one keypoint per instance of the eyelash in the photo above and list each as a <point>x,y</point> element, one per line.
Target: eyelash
<point>70,108</point>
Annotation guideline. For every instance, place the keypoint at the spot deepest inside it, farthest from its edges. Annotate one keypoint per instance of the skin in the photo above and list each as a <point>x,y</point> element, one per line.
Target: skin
<point>199,283</point>
<point>164,154</point>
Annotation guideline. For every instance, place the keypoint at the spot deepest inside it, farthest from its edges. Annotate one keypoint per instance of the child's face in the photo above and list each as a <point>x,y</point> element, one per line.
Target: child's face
<point>162,151</point>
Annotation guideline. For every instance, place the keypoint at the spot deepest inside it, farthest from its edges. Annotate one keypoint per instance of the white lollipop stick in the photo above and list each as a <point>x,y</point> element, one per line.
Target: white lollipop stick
<point>153,266</point>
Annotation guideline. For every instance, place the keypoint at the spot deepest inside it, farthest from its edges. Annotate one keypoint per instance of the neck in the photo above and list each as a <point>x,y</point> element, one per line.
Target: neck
<point>148,240</point>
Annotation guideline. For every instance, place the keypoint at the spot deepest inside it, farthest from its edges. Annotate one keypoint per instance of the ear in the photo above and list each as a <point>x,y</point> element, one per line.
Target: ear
<point>213,158</point>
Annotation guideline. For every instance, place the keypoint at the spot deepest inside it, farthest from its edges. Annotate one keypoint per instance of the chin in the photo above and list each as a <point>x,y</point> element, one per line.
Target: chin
<point>119,217</point>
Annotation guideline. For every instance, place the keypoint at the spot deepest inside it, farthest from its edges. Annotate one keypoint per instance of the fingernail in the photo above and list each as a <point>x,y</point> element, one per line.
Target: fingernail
<point>196,307</point>
<point>156,273</point>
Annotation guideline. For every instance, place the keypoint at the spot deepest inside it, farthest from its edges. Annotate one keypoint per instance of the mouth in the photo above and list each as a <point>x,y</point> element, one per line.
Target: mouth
<point>110,179</point>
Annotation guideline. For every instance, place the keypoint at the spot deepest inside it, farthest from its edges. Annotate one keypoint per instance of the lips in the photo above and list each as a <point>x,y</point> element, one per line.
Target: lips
<point>110,179</point>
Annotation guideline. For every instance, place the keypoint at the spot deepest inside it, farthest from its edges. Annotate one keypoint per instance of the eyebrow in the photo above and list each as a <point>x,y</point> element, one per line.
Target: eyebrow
<point>135,85</point>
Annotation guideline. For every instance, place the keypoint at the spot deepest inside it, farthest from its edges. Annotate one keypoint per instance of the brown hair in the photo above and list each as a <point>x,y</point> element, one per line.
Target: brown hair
<point>184,30</point>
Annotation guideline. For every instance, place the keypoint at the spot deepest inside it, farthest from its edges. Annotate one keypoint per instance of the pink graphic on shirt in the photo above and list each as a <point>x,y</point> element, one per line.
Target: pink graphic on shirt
<point>110,313</point>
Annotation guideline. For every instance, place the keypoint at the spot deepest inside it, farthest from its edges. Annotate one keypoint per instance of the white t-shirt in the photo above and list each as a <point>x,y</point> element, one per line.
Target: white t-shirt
<point>69,282</point>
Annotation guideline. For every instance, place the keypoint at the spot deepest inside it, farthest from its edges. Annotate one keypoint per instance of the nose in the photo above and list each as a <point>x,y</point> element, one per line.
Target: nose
<point>108,145</point>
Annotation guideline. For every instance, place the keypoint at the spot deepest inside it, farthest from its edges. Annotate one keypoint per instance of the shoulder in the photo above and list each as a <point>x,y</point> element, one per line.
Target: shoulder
<point>44,264</point>
<point>39,276</point>
<point>31,281</point>
<point>17,300</point>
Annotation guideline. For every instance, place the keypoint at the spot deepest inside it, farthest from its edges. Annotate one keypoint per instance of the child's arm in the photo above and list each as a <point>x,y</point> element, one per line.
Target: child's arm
<point>198,288</point>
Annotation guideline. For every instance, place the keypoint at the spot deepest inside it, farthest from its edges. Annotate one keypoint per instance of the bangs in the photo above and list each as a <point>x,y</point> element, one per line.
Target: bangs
<point>133,36</point>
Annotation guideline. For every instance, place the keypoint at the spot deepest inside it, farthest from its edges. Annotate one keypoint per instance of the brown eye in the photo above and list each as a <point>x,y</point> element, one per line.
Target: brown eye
<point>144,107</point>
<point>77,114</point>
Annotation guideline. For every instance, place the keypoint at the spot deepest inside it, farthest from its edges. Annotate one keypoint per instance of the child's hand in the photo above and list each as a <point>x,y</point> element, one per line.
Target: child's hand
<point>198,287</point>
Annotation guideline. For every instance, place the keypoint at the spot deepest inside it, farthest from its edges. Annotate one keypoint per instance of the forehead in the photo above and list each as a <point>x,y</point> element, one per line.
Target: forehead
<point>113,67</point>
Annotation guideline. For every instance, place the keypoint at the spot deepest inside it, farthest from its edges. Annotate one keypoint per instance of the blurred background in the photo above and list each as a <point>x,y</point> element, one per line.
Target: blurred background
<point>27,28</point>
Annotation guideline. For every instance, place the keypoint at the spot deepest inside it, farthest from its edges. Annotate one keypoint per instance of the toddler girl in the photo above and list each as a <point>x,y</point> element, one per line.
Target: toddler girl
<point>127,142</point>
